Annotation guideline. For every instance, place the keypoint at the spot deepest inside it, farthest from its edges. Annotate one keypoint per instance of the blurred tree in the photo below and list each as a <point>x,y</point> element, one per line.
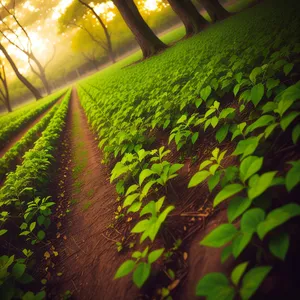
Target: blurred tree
<point>189,16</point>
<point>4,93</point>
<point>215,10</point>
<point>33,90</point>
<point>149,43</point>
<point>107,46</point>
<point>9,29</point>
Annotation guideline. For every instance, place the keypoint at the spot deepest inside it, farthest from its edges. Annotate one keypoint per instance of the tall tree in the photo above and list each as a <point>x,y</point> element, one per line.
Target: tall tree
<point>6,31</point>
<point>4,93</point>
<point>189,16</point>
<point>215,10</point>
<point>108,45</point>
<point>32,89</point>
<point>147,40</point>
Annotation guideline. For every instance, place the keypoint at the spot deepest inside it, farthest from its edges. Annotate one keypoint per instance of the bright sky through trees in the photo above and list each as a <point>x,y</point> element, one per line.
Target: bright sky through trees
<point>43,31</point>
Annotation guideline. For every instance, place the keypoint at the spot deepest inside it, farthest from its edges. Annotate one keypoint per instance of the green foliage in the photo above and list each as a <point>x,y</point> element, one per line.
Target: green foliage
<point>141,266</point>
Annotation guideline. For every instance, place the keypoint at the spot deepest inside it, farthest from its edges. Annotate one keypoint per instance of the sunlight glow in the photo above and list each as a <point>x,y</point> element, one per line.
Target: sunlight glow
<point>61,8</point>
<point>105,10</point>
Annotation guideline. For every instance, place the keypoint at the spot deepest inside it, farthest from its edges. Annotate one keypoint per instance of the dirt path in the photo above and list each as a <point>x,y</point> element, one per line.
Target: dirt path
<point>88,258</point>
<point>18,136</point>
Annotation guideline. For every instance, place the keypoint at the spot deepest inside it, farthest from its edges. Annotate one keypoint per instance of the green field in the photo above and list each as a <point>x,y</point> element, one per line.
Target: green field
<point>167,178</point>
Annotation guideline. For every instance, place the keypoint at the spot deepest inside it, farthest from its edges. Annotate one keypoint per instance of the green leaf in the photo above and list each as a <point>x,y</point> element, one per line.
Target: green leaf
<point>287,68</point>
<point>287,120</point>
<point>205,93</point>
<point>271,83</point>
<point>220,236</point>
<point>166,123</point>
<point>164,214</point>
<point>41,220</point>
<point>18,270</point>
<point>261,184</point>
<point>296,134</point>
<point>144,174</point>
<point>247,147</point>
<point>134,207</point>
<point>215,286</point>
<point>251,219</point>
<point>222,133</point>
<point>270,129</point>
<point>236,207</point>
<point>155,255</point>
<point>255,72</point>
<point>146,188</point>
<point>226,252</point>
<point>279,245</point>
<point>257,93</point>
<point>131,189</point>
<point>198,102</point>
<point>293,176</point>
<point>263,121</point>
<point>269,107</point>
<point>214,121</point>
<point>3,231</point>
<point>41,235</point>
<point>249,166</point>
<point>240,242</point>
<point>130,199</point>
<point>32,226</point>
<point>198,178</point>
<point>236,89</point>
<point>141,226</point>
<point>227,192</point>
<point>238,272</point>
<point>141,274</point>
<point>277,217</point>
<point>205,164</point>
<point>195,137</point>
<point>252,280</point>
<point>175,168</point>
<point>182,119</point>
<point>125,269</point>
<point>213,181</point>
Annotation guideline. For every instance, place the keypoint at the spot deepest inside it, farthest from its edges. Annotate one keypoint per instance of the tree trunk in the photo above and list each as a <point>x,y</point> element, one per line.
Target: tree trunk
<point>33,90</point>
<point>41,74</point>
<point>148,41</point>
<point>8,106</point>
<point>110,51</point>
<point>189,16</point>
<point>215,10</point>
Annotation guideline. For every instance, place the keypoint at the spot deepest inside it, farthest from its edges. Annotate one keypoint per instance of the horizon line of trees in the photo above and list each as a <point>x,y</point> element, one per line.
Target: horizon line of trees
<point>147,40</point>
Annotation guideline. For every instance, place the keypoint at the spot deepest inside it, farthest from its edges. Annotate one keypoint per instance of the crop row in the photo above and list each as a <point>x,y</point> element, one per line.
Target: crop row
<point>25,201</point>
<point>220,96</point>
<point>13,127</point>
<point>14,155</point>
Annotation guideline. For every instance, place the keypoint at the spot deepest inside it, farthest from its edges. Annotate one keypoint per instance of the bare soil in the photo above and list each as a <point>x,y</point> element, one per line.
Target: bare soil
<point>87,256</point>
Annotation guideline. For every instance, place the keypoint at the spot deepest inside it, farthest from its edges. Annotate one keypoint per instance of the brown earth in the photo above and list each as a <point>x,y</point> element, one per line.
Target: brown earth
<point>87,255</point>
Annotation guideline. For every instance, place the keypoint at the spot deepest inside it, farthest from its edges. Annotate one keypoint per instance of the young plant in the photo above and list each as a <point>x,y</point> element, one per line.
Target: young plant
<point>140,266</point>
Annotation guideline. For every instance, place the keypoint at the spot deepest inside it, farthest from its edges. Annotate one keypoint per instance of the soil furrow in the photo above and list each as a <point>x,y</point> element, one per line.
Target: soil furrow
<point>24,130</point>
<point>87,259</point>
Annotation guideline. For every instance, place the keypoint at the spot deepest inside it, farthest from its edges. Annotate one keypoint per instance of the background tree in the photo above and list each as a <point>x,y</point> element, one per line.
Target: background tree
<point>82,15</point>
<point>150,44</point>
<point>4,93</point>
<point>215,10</point>
<point>33,90</point>
<point>108,45</point>
<point>9,29</point>
<point>189,16</point>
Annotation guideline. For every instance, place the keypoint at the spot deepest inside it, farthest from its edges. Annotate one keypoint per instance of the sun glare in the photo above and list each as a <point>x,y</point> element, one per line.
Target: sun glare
<point>60,9</point>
